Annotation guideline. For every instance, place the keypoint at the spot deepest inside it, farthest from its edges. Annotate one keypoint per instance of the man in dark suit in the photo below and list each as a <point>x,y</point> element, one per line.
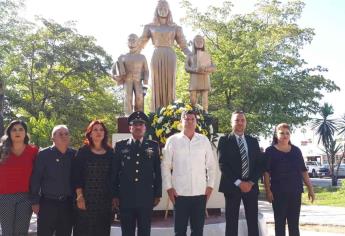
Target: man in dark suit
<point>239,161</point>
<point>137,181</point>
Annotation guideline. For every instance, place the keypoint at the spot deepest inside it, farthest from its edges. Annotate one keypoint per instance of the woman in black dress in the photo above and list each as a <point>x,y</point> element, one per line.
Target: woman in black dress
<point>91,181</point>
<point>284,179</point>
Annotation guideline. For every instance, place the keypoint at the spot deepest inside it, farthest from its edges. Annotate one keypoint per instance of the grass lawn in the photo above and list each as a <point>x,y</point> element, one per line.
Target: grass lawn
<point>330,196</point>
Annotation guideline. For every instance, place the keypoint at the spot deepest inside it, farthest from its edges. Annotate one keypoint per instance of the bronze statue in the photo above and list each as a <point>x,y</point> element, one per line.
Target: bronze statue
<point>199,65</point>
<point>163,33</point>
<point>131,70</point>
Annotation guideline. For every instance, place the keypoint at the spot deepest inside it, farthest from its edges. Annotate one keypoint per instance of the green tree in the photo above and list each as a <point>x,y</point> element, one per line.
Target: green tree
<point>12,27</point>
<point>259,67</point>
<point>40,129</point>
<point>326,129</point>
<point>182,81</point>
<point>61,76</point>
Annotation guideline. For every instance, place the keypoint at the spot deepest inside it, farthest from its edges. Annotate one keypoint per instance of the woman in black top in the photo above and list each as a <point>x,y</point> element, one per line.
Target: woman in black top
<point>284,179</point>
<point>91,181</point>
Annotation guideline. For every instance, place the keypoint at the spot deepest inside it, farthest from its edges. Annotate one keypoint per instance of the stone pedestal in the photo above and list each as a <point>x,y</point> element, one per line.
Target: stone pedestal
<point>122,125</point>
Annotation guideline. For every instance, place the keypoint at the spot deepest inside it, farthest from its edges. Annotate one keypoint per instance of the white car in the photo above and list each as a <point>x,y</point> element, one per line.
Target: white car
<point>341,171</point>
<point>313,168</point>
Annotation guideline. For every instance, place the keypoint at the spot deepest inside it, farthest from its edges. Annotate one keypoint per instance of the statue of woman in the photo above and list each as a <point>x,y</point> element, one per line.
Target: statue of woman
<point>163,33</point>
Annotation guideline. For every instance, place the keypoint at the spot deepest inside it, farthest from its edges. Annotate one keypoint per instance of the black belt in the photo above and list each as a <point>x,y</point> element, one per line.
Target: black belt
<point>57,197</point>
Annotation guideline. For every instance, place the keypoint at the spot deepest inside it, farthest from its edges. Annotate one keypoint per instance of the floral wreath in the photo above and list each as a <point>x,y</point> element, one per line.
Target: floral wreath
<point>166,121</point>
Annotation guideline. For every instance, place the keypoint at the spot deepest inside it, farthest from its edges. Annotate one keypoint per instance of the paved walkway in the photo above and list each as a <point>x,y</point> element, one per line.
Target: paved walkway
<point>311,214</point>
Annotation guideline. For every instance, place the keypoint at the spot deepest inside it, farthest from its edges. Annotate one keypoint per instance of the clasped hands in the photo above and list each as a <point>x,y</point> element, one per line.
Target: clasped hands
<point>202,69</point>
<point>246,186</point>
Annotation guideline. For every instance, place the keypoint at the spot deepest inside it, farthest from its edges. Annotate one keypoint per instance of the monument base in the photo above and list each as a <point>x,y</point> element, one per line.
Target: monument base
<point>122,125</point>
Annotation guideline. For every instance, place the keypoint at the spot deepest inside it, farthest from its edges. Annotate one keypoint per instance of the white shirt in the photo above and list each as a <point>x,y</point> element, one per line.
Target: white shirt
<point>192,163</point>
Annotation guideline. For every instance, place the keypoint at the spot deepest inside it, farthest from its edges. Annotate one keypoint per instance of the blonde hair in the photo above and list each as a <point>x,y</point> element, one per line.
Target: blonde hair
<point>283,126</point>
<point>278,127</point>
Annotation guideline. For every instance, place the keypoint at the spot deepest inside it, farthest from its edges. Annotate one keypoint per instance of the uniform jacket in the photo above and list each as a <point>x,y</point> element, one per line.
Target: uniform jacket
<point>136,173</point>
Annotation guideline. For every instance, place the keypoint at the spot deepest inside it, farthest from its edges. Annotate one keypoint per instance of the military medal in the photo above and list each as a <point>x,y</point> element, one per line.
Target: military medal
<point>149,152</point>
<point>125,151</point>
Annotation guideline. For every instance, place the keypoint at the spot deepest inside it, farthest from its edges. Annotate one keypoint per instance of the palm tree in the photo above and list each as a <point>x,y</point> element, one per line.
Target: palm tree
<point>341,129</point>
<point>325,129</point>
<point>341,125</point>
<point>331,151</point>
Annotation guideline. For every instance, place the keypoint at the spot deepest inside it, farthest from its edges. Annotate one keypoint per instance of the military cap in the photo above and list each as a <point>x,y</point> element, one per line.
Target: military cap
<point>137,117</point>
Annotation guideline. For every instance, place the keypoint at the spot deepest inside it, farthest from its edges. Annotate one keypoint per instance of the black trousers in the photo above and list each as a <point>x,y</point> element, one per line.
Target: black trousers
<point>132,217</point>
<point>286,207</point>
<point>56,217</point>
<point>232,207</point>
<point>189,208</point>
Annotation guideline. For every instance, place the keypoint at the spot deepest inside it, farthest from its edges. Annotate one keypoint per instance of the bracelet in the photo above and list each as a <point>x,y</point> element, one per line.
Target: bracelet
<point>79,196</point>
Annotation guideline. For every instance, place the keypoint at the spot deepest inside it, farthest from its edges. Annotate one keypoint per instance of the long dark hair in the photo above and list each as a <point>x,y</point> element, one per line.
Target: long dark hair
<point>88,140</point>
<point>6,141</point>
<point>280,126</point>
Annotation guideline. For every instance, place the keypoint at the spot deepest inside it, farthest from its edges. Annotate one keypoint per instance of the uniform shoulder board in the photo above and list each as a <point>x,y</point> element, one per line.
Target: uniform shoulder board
<point>153,142</point>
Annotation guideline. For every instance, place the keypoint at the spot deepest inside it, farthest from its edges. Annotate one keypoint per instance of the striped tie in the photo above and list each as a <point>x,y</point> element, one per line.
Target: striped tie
<point>244,158</point>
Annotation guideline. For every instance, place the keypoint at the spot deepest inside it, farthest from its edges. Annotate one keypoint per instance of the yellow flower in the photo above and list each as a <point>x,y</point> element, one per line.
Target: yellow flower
<point>175,124</point>
<point>188,107</point>
<point>180,110</point>
<point>155,119</point>
<point>159,132</point>
<point>163,140</point>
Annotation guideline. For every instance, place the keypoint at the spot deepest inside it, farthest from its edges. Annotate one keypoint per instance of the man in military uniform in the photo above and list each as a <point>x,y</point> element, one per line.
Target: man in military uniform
<point>137,181</point>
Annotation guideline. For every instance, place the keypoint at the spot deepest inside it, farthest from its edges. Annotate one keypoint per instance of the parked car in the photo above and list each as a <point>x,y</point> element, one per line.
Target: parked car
<point>341,171</point>
<point>313,168</point>
<point>324,170</point>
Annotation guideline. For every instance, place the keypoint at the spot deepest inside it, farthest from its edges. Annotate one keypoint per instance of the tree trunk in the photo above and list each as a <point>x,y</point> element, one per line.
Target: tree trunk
<point>334,180</point>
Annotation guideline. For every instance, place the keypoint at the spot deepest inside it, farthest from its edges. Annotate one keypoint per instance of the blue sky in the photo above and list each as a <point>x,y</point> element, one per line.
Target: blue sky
<point>111,21</point>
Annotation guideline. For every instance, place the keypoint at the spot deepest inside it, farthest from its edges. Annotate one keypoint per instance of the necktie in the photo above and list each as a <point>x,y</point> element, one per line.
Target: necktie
<point>244,158</point>
<point>137,143</point>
